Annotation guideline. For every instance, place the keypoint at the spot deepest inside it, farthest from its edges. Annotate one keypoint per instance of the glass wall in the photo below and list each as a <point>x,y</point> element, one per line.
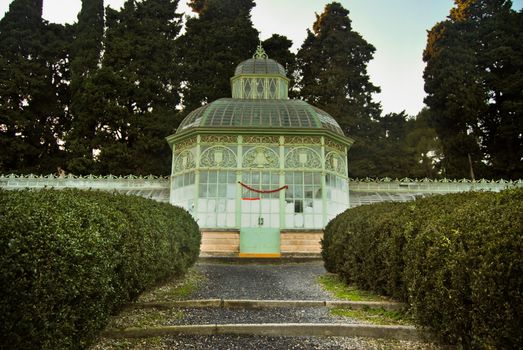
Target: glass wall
<point>217,198</point>
<point>303,200</point>
<point>336,194</point>
<point>219,201</point>
<point>183,191</point>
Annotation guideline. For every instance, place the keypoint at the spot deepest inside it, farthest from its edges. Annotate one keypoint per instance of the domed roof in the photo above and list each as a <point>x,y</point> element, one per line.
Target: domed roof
<point>259,66</point>
<point>251,113</point>
<point>260,63</point>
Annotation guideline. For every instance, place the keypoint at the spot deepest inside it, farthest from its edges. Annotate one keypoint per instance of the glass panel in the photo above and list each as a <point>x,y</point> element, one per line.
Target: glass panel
<point>298,220</point>
<point>231,219</point>
<point>247,88</point>
<point>318,221</point>
<point>272,88</point>
<point>266,178</point>
<point>298,206</point>
<point>259,88</point>
<point>203,190</point>
<point>309,221</point>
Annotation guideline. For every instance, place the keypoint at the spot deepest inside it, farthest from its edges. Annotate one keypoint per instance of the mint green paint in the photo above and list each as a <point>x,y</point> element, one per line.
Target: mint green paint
<point>283,224</point>
<point>239,158</point>
<point>260,240</point>
<point>323,184</point>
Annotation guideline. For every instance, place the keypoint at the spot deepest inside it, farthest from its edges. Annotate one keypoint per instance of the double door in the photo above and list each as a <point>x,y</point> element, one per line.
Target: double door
<point>260,219</point>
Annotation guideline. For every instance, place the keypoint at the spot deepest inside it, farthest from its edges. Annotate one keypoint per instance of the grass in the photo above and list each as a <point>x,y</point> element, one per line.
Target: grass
<point>339,289</point>
<point>374,316</point>
<point>175,289</point>
<point>333,284</point>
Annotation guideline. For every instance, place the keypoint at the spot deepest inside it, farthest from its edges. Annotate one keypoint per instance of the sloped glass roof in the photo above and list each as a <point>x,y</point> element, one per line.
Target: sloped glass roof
<point>247,113</point>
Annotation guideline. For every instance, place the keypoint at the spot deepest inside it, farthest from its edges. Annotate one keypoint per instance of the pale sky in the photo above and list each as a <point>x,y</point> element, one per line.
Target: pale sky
<point>396,28</point>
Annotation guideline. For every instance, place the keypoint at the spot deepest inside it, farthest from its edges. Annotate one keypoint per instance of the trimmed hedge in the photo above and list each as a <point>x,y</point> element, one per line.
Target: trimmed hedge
<point>456,259</point>
<point>70,258</point>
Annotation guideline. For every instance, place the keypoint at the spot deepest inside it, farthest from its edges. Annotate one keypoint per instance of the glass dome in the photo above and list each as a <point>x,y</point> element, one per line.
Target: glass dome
<point>245,113</point>
<point>260,66</point>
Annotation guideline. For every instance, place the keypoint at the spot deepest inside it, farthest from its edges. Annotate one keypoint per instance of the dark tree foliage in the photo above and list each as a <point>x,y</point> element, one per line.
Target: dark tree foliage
<point>214,43</point>
<point>135,92</point>
<point>406,147</point>
<point>278,48</point>
<point>86,50</point>
<point>332,65</point>
<point>474,79</point>
<point>33,90</point>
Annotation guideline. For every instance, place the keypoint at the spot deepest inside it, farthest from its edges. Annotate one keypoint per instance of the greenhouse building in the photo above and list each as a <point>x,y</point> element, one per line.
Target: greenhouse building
<point>261,173</point>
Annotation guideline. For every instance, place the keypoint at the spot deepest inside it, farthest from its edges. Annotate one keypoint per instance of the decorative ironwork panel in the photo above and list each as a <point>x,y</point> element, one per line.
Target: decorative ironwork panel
<point>218,156</point>
<point>303,157</point>
<point>260,157</point>
<point>335,145</point>
<point>302,140</point>
<point>184,161</point>
<point>187,143</point>
<point>261,139</point>
<point>335,162</point>
<point>219,139</point>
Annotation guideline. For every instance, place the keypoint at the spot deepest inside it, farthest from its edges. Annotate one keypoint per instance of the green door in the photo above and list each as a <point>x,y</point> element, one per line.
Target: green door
<point>260,225</point>
<point>260,242</point>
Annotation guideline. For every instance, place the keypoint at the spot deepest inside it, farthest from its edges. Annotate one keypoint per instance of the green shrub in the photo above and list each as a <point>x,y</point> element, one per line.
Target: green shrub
<point>68,259</point>
<point>455,259</point>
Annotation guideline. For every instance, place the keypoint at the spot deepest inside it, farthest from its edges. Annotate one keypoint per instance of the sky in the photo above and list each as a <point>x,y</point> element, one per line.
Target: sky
<point>396,28</point>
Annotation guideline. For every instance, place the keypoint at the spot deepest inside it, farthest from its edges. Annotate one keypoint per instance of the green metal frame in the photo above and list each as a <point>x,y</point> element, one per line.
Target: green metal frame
<point>327,140</point>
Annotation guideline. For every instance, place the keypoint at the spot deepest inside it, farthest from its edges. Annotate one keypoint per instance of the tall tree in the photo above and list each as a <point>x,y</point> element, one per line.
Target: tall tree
<point>86,50</point>
<point>214,43</point>
<point>137,88</point>
<point>473,81</point>
<point>333,76</point>
<point>278,48</point>
<point>33,90</point>
<point>423,146</point>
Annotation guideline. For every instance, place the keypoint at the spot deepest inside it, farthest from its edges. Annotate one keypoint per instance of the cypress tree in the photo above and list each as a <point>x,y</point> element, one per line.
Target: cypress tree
<point>137,88</point>
<point>85,53</point>
<point>33,90</point>
<point>332,65</point>
<point>278,48</point>
<point>473,81</point>
<point>214,43</point>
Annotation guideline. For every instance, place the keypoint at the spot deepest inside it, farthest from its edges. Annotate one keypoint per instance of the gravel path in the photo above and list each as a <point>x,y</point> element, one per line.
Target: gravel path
<point>233,342</point>
<point>273,315</point>
<point>288,281</point>
<point>293,281</point>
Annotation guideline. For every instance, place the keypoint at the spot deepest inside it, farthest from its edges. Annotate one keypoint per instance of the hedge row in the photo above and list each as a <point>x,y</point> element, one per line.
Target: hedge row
<point>456,259</point>
<point>68,259</point>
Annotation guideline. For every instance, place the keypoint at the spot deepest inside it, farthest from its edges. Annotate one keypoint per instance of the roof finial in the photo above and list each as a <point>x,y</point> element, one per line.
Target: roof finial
<point>260,52</point>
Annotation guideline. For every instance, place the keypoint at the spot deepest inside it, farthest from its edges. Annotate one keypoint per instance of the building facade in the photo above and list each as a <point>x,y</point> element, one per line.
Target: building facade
<point>261,173</point>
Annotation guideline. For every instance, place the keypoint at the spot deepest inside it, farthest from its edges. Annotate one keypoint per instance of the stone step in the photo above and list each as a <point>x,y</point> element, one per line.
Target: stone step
<point>261,304</point>
<point>276,329</point>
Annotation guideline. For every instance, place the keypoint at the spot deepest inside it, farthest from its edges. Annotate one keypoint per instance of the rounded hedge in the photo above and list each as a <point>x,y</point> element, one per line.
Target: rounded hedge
<point>70,258</point>
<point>455,259</point>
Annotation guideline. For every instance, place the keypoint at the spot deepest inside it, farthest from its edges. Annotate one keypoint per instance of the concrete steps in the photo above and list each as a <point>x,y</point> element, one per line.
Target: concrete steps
<point>216,322</point>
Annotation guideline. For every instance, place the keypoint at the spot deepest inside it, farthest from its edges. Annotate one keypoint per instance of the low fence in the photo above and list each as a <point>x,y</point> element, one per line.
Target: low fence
<point>361,191</point>
<point>367,191</point>
<point>154,187</point>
